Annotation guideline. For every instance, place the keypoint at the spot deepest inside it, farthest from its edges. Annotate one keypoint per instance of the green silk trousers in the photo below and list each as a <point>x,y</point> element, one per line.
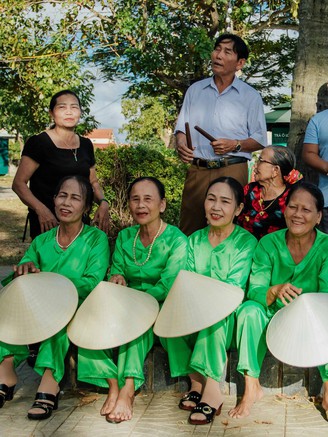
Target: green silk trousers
<point>272,265</point>
<point>205,352</point>
<point>168,257</point>
<point>85,263</point>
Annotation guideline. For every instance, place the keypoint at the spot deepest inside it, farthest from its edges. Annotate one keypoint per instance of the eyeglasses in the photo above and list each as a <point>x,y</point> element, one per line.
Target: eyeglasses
<point>260,160</point>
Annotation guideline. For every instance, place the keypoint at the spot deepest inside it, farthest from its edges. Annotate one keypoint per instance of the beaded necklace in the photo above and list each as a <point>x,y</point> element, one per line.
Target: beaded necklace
<point>66,247</point>
<point>150,247</point>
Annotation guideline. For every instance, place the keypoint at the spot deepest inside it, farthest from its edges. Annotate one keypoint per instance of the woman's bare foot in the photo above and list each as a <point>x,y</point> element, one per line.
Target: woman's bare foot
<point>253,393</point>
<point>197,384</point>
<point>47,385</point>
<point>325,396</point>
<point>212,396</point>
<point>124,405</point>
<point>111,399</point>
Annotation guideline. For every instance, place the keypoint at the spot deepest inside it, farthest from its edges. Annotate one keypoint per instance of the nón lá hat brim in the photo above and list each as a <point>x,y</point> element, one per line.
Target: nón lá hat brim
<point>112,315</point>
<point>298,333</point>
<point>35,307</point>
<point>195,302</point>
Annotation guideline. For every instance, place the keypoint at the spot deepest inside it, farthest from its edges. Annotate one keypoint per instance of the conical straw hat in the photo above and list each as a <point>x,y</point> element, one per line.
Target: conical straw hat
<point>112,315</point>
<point>35,307</point>
<point>298,333</point>
<point>195,302</point>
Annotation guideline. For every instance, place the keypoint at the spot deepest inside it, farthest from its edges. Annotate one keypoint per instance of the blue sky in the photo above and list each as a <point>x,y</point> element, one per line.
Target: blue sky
<point>107,105</point>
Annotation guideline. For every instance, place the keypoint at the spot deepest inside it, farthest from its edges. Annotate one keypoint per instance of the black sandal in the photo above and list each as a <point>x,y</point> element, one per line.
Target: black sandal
<point>205,409</point>
<point>192,396</point>
<point>47,408</point>
<point>6,393</point>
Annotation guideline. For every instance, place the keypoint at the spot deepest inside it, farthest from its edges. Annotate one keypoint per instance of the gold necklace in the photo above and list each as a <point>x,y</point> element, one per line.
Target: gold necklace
<point>261,201</point>
<point>66,247</point>
<point>150,247</point>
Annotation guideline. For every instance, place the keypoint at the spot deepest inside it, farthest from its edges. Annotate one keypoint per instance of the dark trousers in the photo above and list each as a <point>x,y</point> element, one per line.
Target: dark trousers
<point>192,214</point>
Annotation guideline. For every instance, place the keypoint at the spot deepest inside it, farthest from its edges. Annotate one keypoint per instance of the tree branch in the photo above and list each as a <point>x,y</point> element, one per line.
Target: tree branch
<point>276,18</point>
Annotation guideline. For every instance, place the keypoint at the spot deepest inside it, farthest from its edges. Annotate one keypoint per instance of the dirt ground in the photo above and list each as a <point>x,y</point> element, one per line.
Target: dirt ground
<point>12,221</point>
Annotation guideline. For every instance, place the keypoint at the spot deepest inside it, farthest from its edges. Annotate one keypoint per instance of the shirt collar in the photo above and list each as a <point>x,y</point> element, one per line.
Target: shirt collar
<point>235,84</point>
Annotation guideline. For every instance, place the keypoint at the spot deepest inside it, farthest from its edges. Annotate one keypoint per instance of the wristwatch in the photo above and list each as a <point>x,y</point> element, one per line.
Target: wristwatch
<point>237,148</point>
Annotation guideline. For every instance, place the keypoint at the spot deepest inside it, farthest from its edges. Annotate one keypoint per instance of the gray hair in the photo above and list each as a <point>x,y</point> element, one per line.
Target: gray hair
<point>284,158</point>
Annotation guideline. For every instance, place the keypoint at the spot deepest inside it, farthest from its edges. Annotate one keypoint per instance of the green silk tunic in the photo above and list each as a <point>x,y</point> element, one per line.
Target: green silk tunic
<point>168,257</point>
<point>273,265</point>
<point>229,262</point>
<point>85,263</point>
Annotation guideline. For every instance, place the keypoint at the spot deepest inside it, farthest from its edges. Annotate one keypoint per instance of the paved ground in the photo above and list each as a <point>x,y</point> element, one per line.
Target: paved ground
<point>4,271</point>
<point>7,193</point>
<point>155,415</point>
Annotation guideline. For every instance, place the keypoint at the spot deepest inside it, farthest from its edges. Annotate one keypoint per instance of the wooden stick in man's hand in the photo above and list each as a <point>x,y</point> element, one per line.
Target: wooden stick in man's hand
<point>205,134</point>
<point>189,143</point>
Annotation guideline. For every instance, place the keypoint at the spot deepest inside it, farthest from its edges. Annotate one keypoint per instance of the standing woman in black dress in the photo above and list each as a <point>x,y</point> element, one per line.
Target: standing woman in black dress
<point>52,155</point>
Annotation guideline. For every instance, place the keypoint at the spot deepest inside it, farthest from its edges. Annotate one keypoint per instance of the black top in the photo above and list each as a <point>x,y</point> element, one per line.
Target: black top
<point>55,163</point>
<point>261,217</point>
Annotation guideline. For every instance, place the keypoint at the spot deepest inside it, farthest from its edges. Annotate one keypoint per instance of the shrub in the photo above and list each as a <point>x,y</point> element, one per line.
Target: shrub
<point>14,152</point>
<point>118,166</point>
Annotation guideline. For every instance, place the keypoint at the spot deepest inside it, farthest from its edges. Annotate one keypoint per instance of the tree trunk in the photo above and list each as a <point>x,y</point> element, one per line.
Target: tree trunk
<point>310,74</point>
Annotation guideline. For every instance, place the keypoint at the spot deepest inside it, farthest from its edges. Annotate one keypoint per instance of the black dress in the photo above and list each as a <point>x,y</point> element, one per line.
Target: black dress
<point>54,164</point>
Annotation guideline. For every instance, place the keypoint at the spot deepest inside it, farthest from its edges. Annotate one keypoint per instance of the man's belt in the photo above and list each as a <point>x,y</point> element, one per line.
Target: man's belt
<point>222,162</point>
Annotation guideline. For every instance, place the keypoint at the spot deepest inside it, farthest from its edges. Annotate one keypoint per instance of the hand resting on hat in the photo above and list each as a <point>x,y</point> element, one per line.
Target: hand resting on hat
<point>285,292</point>
<point>24,269</point>
<point>118,279</point>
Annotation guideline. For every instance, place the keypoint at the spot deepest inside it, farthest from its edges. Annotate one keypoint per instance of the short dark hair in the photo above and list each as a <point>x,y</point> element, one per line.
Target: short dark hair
<point>235,186</point>
<point>160,187</point>
<point>54,98</point>
<point>239,45</point>
<point>284,158</point>
<point>85,186</point>
<point>312,189</point>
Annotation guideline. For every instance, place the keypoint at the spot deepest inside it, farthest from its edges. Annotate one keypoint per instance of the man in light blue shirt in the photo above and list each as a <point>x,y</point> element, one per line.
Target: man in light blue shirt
<point>232,112</point>
<point>315,154</point>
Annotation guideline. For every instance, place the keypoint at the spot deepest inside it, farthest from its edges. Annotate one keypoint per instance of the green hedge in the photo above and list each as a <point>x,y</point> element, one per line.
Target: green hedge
<point>117,166</point>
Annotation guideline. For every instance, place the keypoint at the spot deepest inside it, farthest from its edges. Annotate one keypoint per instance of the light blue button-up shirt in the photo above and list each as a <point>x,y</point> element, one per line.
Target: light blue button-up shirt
<point>317,133</point>
<point>236,113</point>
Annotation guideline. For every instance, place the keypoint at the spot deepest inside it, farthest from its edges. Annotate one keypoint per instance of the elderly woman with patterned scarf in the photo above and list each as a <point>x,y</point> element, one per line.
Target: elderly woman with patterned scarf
<point>265,199</point>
